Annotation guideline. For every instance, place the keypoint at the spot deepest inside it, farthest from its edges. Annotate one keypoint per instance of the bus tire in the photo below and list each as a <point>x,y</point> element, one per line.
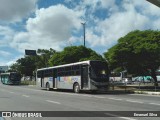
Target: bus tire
<point>76,88</point>
<point>48,86</point>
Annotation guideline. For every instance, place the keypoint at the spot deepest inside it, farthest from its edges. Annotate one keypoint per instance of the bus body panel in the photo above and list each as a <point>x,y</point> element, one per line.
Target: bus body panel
<point>67,82</point>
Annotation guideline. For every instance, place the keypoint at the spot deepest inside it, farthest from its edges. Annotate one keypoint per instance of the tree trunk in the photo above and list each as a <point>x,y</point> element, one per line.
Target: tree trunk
<point>153,74</point>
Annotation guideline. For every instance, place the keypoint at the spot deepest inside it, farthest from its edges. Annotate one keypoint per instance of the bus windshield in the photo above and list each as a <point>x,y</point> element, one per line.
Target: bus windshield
<point>14,76</point>
<point>98,70</point>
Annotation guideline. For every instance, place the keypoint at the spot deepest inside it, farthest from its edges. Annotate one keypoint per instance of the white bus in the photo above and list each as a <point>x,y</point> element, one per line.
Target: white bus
<point>86,75</point>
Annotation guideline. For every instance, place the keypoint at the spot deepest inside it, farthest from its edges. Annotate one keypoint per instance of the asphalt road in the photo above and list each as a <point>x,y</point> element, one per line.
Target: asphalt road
<point>26,98</point>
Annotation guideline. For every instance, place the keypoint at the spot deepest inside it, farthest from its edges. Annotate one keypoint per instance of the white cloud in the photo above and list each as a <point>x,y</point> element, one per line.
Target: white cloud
<point>4,53</point>
<point>4,57</point>
<point>96,4</point>
<point>9,62</point>
<point>108,4</point>
<point>6,35</point>
<point>146,7</point>
<point>119,23</point>
<point>51,27</point>
<point>13,11</point>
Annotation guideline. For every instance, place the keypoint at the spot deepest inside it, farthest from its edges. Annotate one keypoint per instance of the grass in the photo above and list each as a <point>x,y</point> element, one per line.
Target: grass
<point>28,82</point>
<point>135,88</point>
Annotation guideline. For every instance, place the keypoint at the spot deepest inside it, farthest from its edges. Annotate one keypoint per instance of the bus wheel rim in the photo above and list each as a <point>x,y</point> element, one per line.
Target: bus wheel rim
<point>77,88</point>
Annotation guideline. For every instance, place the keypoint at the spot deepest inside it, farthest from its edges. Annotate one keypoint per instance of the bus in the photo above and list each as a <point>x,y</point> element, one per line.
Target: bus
<point>86,75</point>
<point>10,78</point>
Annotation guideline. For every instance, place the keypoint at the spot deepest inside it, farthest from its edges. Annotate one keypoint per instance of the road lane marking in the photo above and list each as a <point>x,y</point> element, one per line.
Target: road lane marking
<point>114,99</point>
<point>134,101</point>
<point>2,90</point>
<point>99,97</point>
<point>147,95</point>
<point>113,115</point>
<point>154,103</point>
<point>25,96</point>
<point>53,102</point>
<point>11,92</point>
<point>86,95</point>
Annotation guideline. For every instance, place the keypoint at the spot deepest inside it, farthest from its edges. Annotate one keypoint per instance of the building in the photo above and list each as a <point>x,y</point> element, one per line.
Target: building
<point>3,68</point>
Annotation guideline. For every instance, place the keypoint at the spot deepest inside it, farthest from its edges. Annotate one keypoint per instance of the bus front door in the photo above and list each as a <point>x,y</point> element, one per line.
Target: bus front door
<point>54,78</point>
<point>42,82</point>
<point>53,82</point>
<point>84,79</point>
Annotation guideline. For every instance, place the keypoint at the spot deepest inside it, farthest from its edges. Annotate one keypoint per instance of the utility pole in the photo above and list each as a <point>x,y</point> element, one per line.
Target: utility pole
<point>84,32</point>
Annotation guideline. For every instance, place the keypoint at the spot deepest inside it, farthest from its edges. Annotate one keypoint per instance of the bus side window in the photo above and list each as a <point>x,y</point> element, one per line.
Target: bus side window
<point>77,72</point>
<point>61,71</point>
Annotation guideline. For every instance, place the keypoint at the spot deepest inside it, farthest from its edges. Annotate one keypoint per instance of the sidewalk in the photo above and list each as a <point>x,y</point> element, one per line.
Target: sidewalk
<point>147,92</point>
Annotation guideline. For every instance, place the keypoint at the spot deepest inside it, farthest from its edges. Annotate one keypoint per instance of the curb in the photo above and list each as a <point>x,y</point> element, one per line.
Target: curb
<point>31,85</point>
<point>146,92</point>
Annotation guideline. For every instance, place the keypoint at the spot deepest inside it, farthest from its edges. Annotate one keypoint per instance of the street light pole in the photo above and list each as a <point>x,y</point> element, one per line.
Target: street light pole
<point>84,32</point>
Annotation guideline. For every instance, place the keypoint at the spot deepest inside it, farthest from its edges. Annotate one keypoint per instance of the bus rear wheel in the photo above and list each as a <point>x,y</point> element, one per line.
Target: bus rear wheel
<point>48,87</point>
<point>76,88</point>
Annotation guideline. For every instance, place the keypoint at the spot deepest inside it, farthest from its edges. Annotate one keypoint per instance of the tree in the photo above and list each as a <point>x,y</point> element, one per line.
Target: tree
<point>42,60</point>
<point>29,64</point>
<point>14,68</point>
<point>138,52</point>
<point>74,54</point>
<point>26,65</point>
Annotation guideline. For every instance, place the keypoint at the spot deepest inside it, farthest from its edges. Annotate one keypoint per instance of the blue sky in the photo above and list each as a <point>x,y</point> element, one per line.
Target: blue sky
<point>44,24</point>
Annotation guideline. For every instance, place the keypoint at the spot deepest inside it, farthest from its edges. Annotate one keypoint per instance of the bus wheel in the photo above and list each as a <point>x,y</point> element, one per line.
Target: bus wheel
<point>48,87</point>
<point>76,88</point>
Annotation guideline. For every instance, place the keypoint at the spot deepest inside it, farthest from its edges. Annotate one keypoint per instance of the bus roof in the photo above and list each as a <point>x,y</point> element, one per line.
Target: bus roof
<point>7,73</point>
<point>76,63</point>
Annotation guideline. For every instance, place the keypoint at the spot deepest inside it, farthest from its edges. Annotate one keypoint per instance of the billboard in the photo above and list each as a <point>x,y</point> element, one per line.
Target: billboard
<point>30,52</point>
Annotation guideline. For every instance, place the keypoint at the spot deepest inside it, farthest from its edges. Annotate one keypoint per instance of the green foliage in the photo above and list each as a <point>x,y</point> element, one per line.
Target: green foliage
<point>46,58</point>
<point>74,54</point>
<point>29,64</point>
<point>138,52</point>
<point>42,59</point>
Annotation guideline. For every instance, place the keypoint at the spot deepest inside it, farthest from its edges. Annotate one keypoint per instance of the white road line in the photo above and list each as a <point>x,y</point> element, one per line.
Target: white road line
<point>53,102</point>
<point>61,93</point>
<point>99,97</point>
<point>154,103</point>
<point>87,95</point>
<point>113,115</point>
<point>147,95</point>
<point>114,99</point>
<point>25,96</point>
<point>11,92</point>
<point>134,101</point>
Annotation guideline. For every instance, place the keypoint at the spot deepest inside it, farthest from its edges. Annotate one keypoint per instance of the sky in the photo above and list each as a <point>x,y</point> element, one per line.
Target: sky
<point>44,24</point>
